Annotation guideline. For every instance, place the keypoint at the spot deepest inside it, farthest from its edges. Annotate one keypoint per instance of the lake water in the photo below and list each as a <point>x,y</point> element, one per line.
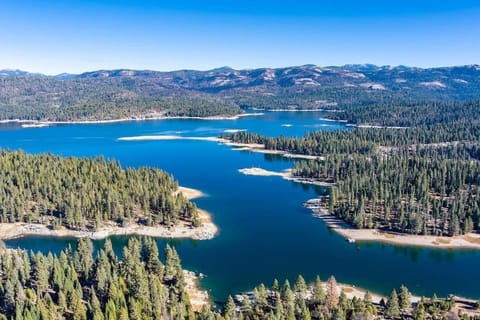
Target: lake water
<point>265,233</point>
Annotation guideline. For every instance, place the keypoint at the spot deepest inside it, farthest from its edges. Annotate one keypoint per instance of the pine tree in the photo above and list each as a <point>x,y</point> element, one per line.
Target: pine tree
<point>110,311</point>
<point>9,295</point>
<point>419,312</point>
<point>275,285</point>
<point>318,296</point>
<point>229,309</point>
<point>83,257</point>
<point>246,307</point>
<point>278,307</point>
<point>343,300</point>
<point>79,309</point>
<point>331,298</point>
<point>287,295</point>
<point>95,307</point>
<point>300,285</point>
<point>260,294</point>
<point>392,307</point>
<point>368,297</point>
<point>150,256</point>
<point>339,314</point>
<point>404,298</point>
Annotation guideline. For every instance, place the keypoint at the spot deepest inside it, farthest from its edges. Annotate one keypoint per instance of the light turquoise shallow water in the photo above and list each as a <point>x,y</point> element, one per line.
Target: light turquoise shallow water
<point>265,233</point>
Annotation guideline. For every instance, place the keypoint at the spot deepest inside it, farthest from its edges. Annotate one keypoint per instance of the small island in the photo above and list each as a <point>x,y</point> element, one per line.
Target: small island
<point>47,195</point>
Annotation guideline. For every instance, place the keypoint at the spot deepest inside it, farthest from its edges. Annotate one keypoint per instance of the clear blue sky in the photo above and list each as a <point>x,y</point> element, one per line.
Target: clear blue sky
<point>76,36</point>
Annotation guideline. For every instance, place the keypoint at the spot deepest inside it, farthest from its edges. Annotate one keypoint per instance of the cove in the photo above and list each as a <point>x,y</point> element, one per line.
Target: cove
<point>265,233</point>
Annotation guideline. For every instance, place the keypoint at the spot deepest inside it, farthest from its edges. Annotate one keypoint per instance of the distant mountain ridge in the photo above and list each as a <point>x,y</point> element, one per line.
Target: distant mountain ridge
<point>363,76</point>
<point>225,70</point>
<point>17,72</point>
<point>297,87</point>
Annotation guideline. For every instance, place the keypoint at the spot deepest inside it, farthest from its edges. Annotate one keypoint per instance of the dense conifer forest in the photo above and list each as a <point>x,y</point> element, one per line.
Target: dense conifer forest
<point>409,114</point>
<point>80,284</point>
<point>424,179</point>
<point>81,193</point>
<point>77,285</point>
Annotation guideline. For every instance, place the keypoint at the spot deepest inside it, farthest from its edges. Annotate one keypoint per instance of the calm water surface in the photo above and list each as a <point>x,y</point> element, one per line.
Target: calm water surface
<point>265,233</point>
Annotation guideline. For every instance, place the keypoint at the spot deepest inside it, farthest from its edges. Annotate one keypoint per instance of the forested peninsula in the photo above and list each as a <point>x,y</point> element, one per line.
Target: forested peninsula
<point>51,195</point>
<point>422,179</point>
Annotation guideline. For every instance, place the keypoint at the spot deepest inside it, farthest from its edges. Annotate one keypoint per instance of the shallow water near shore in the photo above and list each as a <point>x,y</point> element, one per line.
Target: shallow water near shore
<point>265,233</point>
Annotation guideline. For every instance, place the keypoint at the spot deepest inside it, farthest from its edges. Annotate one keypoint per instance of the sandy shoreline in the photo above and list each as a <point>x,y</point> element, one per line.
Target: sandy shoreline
<point>198,297</point>
<point>291,110</point>
<point>286,174</point>
<point>468,241</point>
<point>237,146</point>
<point>332,120</point>
<point>183,229</point>
<point>374,126</point>
<point>261,172</point>
<point>353,291</point>
<point>260,148</point>
<point>42,123</point>
<point>170,137</point>
<point>190,193</point>
<point>461,304</point>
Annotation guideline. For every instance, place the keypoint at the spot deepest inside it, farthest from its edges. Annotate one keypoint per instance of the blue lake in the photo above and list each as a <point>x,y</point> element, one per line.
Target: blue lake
<point>265,233</point>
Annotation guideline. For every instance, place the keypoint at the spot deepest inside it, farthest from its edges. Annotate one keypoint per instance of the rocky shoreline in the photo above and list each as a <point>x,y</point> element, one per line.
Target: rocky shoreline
<point>351,234</point>
<point>183,229</point>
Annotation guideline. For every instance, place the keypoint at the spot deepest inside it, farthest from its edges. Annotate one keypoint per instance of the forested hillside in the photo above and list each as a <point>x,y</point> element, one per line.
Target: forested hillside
<point>410,114</point>
<point>81,193</point>
<point>424,179</point>
<point>52,99</point>
<point>113,94</point>
<point>82,285</point>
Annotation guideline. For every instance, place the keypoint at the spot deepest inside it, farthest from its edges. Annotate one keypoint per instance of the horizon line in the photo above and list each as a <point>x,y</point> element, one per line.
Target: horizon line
<point>241,69</point>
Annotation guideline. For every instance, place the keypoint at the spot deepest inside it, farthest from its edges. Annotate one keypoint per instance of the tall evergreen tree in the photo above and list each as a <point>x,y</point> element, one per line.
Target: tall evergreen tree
<point>392,307</point>
<point>331,298</point>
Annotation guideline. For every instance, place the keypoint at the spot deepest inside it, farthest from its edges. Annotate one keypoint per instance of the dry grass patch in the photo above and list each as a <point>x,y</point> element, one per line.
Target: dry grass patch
<point>471,239</point>
<point>443,240</point>
<point>347,289</point>
<point>388,235</point>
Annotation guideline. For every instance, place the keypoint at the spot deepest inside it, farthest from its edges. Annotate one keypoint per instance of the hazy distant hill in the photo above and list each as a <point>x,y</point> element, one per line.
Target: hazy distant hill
<point>16,72</point>
<point>109,94</point>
